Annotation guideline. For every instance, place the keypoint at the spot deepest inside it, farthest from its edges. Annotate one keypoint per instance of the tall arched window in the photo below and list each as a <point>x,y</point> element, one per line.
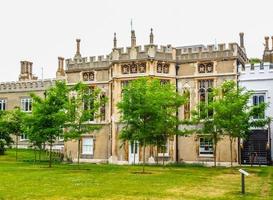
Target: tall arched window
<point>187,104</point>
<point>205,97</point>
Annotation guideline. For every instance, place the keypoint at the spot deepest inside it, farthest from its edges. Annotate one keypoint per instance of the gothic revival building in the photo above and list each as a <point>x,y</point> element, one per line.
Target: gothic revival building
<point>193,69</point>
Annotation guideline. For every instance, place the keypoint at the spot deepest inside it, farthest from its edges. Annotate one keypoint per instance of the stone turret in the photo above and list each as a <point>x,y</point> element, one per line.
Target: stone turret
<point>60,71</point>
<point>268,53</point>
<point>115,41</point>
<point>151,37</point>
<point>133,38</point>
<point>78,54</point>
<point>242,43</point>
<point>26,71</point>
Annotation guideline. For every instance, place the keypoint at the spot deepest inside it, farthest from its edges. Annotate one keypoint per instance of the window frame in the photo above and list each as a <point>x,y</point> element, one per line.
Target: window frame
<point>208,153</point>
<point>87,146</point>
<point>3,104</point>
<point>28,107</point>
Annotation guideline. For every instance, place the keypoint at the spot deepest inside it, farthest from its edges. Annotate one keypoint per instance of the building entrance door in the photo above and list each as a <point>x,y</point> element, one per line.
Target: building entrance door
<point>133,152</point>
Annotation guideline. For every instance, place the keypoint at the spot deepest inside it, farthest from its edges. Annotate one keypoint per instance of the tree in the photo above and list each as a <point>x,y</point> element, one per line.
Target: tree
<point>234,113</point>
<point>228,113</point>
<point>14,120</point>
<point>49,114</point>
<point>5,138</point>
<point>35,135</point>
<point>83,106</point>
<point>148,110</point>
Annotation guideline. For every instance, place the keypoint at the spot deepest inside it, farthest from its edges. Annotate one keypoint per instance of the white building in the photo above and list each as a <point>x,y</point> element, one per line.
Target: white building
<point>259,79</point>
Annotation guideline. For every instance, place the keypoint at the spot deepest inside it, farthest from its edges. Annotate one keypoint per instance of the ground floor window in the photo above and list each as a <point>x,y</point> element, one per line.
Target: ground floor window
<point>87,146</point>
<point>23,137</point>
<point>164,149</point>
<point>205,146</point>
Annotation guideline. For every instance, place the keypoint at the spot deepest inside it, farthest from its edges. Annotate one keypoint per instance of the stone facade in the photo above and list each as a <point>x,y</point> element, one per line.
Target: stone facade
<point>188,68</point>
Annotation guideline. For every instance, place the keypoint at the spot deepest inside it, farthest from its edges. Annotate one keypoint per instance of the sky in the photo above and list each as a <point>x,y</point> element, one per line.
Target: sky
<point>40,31</point>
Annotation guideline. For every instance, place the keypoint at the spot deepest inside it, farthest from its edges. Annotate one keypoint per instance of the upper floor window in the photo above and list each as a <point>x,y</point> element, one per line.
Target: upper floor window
<point>26,104</point>
<point>3,103</point>
<point>88,76</point>
<point>261,66</point>
<point>205,67</point>
<point>187,104</point>
<point>88,104</point>
<point>258,99</point>
<point>162,67</point>
<point>102,108</point>
<point>133,68</point>
<point>205,96</point>
<point>252,66</point>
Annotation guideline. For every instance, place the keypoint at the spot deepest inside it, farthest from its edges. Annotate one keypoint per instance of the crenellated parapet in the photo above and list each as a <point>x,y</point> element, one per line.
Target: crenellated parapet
<point>144,52</point>
<point>209,52</point>
<point>25,86</point>
<point>87,63</point>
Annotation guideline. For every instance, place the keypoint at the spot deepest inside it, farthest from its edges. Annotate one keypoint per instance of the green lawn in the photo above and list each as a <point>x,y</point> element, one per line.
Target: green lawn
<point>26,180</point>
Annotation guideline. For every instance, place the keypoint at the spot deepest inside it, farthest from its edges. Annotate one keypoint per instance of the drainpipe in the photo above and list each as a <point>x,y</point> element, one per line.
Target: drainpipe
<point>176,137</point>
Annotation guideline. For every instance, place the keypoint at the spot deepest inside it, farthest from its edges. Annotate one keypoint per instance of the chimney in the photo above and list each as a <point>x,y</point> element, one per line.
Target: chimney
<point>133,38</point>
<point>78,54</point>
<point>266,43</point>
<point>115,41</point>
<point>60,72</point>
<point>151,37</point>
<point>26,71</point>
<point>272,42</point>
<point>242,45</point>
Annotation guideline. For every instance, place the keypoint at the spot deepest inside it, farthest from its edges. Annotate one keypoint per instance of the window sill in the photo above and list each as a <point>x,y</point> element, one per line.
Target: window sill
<point>163,155</point>
<point>206,155</point>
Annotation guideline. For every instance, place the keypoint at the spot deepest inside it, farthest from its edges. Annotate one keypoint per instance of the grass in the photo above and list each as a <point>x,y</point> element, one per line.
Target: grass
<point>26,180</point>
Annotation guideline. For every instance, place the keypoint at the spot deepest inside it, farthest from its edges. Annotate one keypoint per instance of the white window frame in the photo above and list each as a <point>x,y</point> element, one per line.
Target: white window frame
<point>23,137</point>
<point>28,107</point>
<point>3,104</point>
<point>259,95</point>
<point>202,151</point>
<point>88,147</point>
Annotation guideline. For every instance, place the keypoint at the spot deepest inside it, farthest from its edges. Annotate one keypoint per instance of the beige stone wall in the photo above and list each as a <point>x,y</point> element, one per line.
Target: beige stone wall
<point>101,144</point>
<point>73,77</point>
<point>227,66</point>
<point>189,150</point>
<point>14,98</point>
<point>102,75</point>
<point>188,69</point>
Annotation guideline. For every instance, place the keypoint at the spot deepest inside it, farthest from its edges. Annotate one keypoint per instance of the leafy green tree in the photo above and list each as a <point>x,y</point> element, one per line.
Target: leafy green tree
<point>234,113</point>
<point>230,115</point>
<point>49,114</point>
<point>35,135</point>
<point>148,112</point>
<point>14,120</point>
<point>83,106</point>
<point>5,138</point>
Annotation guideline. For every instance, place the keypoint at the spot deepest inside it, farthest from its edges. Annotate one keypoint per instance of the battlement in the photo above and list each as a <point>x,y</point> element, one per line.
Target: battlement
<point>32,85</point>
<point>90,62</point>
<point>143,52</point>
<point>201,52</point>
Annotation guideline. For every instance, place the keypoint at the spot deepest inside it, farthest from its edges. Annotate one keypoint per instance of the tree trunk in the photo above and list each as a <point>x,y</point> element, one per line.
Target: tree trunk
<point>40,151</point>
<point>35,155</point>
<point>231,156</point>
<point>79,149</point>
<point>50,154</point>
<point>16,147</point>
<point>143,163</point>
<point>215,151</point>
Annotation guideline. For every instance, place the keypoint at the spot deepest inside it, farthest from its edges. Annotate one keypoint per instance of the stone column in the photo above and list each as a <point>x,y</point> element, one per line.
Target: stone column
<point>266,43</point>
<point>242,45</point>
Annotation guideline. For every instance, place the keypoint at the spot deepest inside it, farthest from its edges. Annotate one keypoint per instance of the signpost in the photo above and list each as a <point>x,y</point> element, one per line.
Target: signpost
<point>243,174</point>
